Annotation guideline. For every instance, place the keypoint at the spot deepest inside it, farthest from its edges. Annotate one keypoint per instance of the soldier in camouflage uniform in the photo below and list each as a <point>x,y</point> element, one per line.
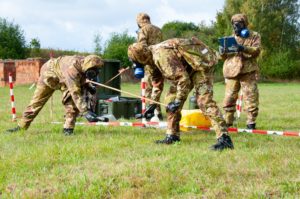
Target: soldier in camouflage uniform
<point>149,34</point>
<point>68,74</point>
<point>186,63</point>
<point>241,71</point>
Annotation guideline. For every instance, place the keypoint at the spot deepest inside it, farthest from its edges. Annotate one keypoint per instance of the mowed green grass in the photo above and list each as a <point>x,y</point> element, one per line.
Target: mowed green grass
<point>123,162</point>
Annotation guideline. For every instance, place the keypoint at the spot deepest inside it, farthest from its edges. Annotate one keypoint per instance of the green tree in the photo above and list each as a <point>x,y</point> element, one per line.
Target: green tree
<point>12,41</point>
<point>116,47</point>
<point>98,47</point>
<point>179,29</point>
<point>35,47</point>
<point>277,21</point>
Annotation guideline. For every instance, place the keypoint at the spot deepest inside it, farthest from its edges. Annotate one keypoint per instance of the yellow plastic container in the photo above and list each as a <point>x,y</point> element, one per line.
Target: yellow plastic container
<point>193,118</point>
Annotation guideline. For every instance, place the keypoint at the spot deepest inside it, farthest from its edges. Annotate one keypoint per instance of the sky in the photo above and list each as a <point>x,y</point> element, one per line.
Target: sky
<point>73,24</point>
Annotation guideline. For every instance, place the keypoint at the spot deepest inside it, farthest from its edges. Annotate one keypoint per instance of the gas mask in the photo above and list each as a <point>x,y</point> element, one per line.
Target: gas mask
<point>138,70</point>
<point>92,74</point>
<point>240,29</point>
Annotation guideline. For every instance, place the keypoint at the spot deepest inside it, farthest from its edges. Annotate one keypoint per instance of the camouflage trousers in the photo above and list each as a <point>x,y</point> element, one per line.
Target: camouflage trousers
<point>154,85</point>
<point>203,84</point>
<point>248,84</point>
<point>39,99</point>
<point>173,119</point>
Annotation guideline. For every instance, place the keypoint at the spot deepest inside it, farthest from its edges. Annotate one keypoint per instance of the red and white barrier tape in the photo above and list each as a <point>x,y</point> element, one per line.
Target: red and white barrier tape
<point>239,103</point>
<point>255,131</point>
<point>134,124</point>
<point>164,125</point>
<point>143,88</point>
<point>12,97</point>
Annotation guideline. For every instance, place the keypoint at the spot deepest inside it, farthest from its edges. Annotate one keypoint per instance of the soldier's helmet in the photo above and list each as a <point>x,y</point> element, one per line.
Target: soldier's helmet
<point>140,53</point>
<point>143,18</point>
<point>92,61</point>
<point>240,17</point>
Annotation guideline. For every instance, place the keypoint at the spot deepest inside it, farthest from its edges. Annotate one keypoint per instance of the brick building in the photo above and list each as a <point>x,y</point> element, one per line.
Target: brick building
<point>6,67</point>
<point>24,71</point>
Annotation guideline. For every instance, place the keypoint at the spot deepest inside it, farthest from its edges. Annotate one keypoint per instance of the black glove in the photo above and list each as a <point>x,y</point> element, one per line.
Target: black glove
<point>149,112</point>
<point>240,48</point>
<point>91,89</point>
<point>172,107</point>
<point>91,117</point>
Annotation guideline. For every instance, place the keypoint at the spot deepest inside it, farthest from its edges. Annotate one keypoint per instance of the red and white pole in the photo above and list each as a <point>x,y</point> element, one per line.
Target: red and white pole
<point>12,97</point>
<point>143,87</point>
<point>239,103</point>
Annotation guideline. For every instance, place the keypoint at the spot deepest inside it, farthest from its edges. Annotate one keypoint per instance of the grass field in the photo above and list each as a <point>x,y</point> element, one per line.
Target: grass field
<point>123,162</point>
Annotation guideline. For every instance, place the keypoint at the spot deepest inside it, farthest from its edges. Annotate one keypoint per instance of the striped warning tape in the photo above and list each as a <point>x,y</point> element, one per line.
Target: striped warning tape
<point>164,125</point>
<point>255,131</point>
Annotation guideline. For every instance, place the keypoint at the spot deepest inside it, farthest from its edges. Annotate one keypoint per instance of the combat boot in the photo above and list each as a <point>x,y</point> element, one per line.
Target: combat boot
<point>251,126</point>
<point>68,131</point>
<point>13,130</point>
<point>223,142</point>
<point>169,139</point>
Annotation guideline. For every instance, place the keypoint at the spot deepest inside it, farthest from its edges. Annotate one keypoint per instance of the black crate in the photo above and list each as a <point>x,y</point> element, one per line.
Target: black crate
<point>124,107</point>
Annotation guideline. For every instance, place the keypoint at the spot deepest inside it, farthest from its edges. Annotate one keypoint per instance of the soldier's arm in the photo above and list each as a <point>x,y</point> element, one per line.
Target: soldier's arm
<point>142,36</point>
<point>73,83</point>
<point>255,47</point>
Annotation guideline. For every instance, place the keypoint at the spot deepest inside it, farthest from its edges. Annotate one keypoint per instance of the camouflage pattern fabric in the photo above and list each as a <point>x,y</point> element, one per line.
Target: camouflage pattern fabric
<point>175,64</point>
<point>65,73</point>
<point>240,17</point>
<point>243,62</point>
<point>203,84</point>
<point>246,61</point>
<point>240,71</point>
<point>41,95</point>
<point>149,34</point>
<point>174,69</point>
<point>140,53</point>
<point>248,84</point>
<point>71,112</point>
<point>202,81</point>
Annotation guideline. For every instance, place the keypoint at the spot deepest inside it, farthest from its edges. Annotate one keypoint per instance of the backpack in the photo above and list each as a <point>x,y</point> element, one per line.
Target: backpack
<point>197,54</point>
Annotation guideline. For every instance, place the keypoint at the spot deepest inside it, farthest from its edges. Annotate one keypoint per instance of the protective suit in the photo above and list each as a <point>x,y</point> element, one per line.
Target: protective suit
<point>68,74</point>
<point>149,34</point>
<point>240,70</point>
<point>186,63</point>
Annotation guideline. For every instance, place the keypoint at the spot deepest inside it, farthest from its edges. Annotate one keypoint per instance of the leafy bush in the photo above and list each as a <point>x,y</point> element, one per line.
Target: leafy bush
<point>116,47</point>
<point>179,29</point>
<point>280,65</point>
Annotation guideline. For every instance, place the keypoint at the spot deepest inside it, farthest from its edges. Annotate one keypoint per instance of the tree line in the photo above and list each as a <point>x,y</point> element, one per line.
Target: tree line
<point>276,20</point>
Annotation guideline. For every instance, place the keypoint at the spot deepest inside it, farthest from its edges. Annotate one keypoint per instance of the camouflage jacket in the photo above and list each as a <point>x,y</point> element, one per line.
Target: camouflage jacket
<point>177,58</point>
<point>243,62</point>
<point>65,73</point>
<point>149,34</point>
